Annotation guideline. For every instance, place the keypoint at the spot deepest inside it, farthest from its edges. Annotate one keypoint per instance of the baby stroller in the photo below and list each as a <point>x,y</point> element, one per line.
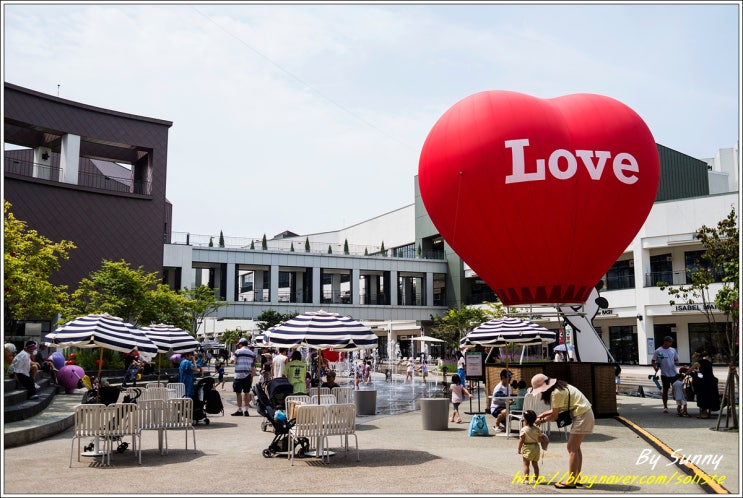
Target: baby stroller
<point>277,390</point>
<point>202,388</point>
<point>276,417</point>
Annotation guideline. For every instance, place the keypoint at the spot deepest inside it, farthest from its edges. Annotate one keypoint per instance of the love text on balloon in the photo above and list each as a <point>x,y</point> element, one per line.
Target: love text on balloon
<point>563,164</point>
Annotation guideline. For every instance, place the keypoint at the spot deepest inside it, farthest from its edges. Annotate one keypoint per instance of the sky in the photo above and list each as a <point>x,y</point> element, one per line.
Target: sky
<point>311,118</point>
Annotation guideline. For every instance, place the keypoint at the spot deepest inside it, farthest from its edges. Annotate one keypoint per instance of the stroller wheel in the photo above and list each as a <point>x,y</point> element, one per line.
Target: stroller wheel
<point>122,447</point>
<point>267,453</point>
<point>89,447</point>
<point>206,421</point>
<point>300,452</point>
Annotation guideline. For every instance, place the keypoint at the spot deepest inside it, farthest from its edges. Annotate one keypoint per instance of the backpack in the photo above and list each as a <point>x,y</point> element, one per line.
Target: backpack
<point>478,426</point>
<point>213,403</point>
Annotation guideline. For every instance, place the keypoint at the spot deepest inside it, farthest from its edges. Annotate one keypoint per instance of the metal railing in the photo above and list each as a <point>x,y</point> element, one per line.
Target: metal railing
<point>98,181</point>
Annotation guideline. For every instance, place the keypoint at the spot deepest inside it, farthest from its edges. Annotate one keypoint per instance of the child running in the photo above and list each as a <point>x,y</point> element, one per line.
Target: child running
<point>220,375</point>
<point>458,392</point>
<point>529,440</point>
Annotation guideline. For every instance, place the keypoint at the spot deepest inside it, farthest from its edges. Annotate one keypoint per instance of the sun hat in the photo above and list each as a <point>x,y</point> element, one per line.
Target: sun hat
<point>31,345</point>
<point>540,383</point>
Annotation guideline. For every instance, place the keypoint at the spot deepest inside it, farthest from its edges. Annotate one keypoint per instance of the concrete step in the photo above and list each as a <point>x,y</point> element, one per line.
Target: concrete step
<point>57,417</point>
<point>29,407</point>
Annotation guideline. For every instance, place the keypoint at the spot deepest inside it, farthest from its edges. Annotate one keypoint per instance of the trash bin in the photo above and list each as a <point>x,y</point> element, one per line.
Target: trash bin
<point>366,401</point>
<point>435,413</point>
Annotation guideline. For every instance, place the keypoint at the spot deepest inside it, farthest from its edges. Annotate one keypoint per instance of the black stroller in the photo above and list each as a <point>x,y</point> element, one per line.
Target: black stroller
<point>269,401</point>
<point>109,395</point>
<point>201,388</point>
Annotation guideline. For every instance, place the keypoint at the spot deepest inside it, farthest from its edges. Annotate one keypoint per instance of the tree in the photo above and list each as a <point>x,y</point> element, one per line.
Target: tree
<point>230,337</point>
<point>115,289</point>
<point>330,249</point>
<point>345,247</point>
<point>382,250</point>
<point>200,301</point>
<point>29,261</point>
<point>419,251</point>
<point>252,246</point>
<point>221,239</point>
<point>292,247</point>
<point>211,241</point>
<point>718,261</point>
<point>457,322</point>
<point>307,244</point>
<point>269,318</point>
<point>264,243</point>
<point>366,251</point>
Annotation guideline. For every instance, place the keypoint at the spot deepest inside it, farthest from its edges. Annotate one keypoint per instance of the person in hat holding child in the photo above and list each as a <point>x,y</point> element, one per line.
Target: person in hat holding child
<point>25,369</point>
<point>562,396</point>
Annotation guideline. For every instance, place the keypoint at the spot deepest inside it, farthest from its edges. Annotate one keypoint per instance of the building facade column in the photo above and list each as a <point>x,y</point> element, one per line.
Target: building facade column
<point>69,160</point>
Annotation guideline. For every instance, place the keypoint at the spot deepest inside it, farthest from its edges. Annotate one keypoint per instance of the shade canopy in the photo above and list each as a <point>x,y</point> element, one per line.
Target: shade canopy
<point>426,338</point>
<point>322,330</point>
<point>501,332</point>
<point>170,339</point>
<point>102,330</point>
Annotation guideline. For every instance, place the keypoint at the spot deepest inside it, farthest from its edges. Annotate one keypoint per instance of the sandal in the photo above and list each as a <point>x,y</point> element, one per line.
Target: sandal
<point>562,485</point>
<point>459,420</point>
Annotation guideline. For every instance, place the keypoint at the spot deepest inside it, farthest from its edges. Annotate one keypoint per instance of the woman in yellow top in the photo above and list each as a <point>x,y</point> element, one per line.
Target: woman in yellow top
<point>556,394</point>
<point>296,371</point>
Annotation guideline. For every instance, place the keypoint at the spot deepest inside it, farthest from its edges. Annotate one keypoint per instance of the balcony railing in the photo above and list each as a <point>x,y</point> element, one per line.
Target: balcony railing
<point>98,181</point>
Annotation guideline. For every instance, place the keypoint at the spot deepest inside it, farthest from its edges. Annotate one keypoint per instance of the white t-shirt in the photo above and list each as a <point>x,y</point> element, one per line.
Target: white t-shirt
<point>496,402</point>
<point>666,359</point>
<point>277,368</point>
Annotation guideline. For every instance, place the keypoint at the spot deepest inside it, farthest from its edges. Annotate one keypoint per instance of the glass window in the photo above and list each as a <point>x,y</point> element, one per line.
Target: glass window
<point>620,276</point>
<point>709,336</point>
<point>623,344</point>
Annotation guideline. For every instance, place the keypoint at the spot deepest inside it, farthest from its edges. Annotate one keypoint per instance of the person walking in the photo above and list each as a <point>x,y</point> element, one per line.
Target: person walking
<point>679,396</point>
<point>561,396</point>
<point>244,369</point>
<point>458,393</point>
<point>186,370</point>
<point>220,374</point>
<point>665,359</point>
<point>278,364</point>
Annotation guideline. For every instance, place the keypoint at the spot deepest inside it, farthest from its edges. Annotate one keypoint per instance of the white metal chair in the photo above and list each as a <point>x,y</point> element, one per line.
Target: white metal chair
<point>340,420</point>
<point>325,399</point>
<point>539,407</point>
<point>308,423</point>
<point>180,389</point>
<point>121,420</point>
<point>151,414</point>
<point>155,393</point>
<point>323,390</point>
<point>178,416</point>
<point>343,395</point>
<point>88,423</point>
<point>291,401</point>
<point>163,383</point>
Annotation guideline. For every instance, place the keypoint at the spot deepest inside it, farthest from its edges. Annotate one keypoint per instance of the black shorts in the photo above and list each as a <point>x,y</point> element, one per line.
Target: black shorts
<point>497,410</point>
<point>242,385</point>
<point>666,382</point>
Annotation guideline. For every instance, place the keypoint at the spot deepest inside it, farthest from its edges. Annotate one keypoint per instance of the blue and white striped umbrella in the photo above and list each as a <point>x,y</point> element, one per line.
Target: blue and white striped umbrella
<point>322,330</point>
<point>501,332</point>
<point>168,338</point>
<point>105,331</point>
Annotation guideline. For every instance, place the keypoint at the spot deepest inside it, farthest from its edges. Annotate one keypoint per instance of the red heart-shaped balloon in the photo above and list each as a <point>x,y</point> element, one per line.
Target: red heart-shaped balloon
<point>539,196</point>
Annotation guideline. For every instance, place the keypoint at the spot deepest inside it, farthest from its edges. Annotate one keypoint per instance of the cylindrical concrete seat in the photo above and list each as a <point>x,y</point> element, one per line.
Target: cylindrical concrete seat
<point>366,402</point>
<point>435,413</point>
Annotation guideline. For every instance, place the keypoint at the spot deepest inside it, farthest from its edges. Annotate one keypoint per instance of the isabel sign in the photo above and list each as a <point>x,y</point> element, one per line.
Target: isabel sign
<point>695,307</point>
<point>539,196</point>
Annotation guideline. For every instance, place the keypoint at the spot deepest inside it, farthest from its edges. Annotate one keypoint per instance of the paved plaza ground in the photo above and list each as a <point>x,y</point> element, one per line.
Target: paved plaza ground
<point>633,453</point>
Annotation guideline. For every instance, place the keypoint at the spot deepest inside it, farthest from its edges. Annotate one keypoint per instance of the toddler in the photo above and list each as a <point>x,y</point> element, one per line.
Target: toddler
<point>220,375</point>
<point>458,392</point>
<point>530,438</point>
<point>679,396</point>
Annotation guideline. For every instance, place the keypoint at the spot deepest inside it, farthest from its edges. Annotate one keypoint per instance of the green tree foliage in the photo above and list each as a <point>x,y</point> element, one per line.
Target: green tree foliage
<point>29,260</point>
<point>252,246</point>
<point>200,302</point>
<point>269,318</point>
<point>211,241</point>
<point>457,322</point>
<point>221,239</point>
<point>720,258</point>
<point>292,247</point>
<point>382,250</point>
<point>419,251</point>
<point>264,243</point>
<point>366,251</point>
<point>307,244</point>
<point>130,294</point>
<point>330,249</point>
<point>230,337</point>
<point>345,247</point>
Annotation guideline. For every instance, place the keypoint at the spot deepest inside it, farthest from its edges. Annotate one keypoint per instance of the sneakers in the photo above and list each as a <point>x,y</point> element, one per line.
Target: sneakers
<point>37,386</point>
<point>238,413</point>
<point>246,414</point>
<point>498,428</point>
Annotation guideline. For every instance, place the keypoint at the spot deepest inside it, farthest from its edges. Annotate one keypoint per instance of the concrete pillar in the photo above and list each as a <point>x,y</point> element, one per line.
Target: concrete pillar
<point>258,285</point>
<point>43,163</point>
<point>69,159</point>
<point>274,279</point>
<point>231,291</point>
<point>355,285</point>
<point>394,285</point>
<point>429,289</point>
<point>335,288</point>
<point>316,286</point>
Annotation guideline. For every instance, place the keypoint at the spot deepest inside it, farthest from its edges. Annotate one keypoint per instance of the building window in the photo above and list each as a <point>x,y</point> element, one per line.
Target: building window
<point>620,276</point>
<point>711,337</point>
<point>623,344</point>
<point>694,263</point>
<point>661,270</point>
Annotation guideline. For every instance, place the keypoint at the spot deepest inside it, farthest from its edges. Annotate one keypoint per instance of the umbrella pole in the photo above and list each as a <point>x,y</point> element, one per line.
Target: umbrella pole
<point>100,366</point>
<point>158,368</point>
<point>319,352</point>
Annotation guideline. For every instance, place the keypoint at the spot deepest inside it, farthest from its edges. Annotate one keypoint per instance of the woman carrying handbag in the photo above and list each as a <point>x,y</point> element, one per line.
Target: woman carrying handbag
<point>563,397</point>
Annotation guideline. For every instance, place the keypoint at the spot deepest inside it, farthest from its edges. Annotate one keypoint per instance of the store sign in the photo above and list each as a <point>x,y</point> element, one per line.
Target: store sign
<point>606,312</point>
<point>680,308</point>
